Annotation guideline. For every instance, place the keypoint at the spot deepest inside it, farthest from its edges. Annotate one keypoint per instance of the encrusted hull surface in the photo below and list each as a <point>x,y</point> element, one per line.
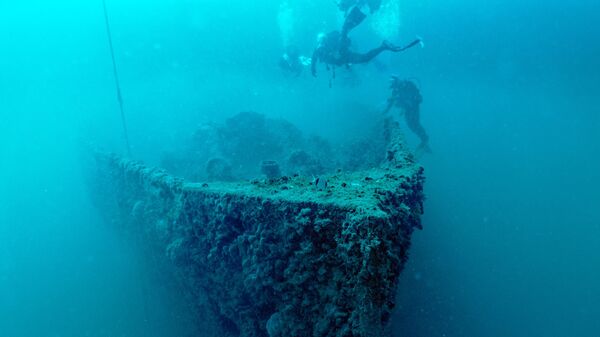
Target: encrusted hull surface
<point>278,257</point>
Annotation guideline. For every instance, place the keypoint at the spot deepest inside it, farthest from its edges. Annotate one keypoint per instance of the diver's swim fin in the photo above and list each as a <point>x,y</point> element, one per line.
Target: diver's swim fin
<point>374,5</point>
<point>423,148</point>
<point>418,41</point>
<point>354,18</point>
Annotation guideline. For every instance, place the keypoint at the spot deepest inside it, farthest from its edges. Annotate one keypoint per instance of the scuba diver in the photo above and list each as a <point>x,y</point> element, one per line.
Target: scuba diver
<point>345,5</point>
<point>292,62</point>
<point>334,48</point>
<point>407,97</point>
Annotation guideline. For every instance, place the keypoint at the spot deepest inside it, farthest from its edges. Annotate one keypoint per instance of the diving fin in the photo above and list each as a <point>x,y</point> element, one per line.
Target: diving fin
<point>418,41</point>
<point>354,18</point>
<point>374,5</point>
<point>422,149</point>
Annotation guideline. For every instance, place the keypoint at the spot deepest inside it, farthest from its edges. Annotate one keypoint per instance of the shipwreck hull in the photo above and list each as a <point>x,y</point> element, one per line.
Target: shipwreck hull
<point>276,257</point>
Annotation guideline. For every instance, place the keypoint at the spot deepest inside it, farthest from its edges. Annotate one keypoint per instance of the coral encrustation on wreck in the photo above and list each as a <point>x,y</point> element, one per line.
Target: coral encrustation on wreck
<point>277,257</point>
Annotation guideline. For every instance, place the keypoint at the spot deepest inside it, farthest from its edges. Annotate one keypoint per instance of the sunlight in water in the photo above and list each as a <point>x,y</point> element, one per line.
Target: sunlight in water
<point>387,21</point>
<point>285,20</point>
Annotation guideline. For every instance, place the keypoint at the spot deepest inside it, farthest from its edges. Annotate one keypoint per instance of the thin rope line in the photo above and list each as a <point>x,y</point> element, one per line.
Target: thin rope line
<point>117,82</point>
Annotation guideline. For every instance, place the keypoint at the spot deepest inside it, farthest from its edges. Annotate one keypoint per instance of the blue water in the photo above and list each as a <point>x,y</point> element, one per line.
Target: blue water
<point>511,239</point>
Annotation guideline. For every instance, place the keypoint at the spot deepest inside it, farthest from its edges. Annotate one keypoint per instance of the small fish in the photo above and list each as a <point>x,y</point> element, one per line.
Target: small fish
<point>320,183</point>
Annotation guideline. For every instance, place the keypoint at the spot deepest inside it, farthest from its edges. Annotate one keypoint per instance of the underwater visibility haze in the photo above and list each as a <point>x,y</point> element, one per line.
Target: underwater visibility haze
<point>510,244</point>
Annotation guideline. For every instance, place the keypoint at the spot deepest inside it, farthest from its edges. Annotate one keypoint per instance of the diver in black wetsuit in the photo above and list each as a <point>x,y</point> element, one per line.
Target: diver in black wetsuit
<point>334,47</point>
<point>291,62</point>
<point>345,5</point>
<point>407,97</point>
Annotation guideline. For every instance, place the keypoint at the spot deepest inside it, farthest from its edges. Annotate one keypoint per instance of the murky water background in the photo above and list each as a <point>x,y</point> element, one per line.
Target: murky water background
<point>510,245</point>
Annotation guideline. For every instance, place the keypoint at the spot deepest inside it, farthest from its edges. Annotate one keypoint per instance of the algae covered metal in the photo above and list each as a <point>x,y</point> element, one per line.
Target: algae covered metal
<point>277,257</point>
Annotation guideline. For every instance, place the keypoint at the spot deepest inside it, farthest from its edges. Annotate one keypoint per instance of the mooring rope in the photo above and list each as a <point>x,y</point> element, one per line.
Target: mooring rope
<point>117,82</point>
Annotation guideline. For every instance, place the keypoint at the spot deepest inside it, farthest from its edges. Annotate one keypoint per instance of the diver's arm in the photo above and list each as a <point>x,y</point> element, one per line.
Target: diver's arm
<point>389,106</point>
<point>313,62</point>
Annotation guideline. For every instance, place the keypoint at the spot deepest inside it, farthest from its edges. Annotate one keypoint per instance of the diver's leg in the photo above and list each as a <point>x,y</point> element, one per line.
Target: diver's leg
<point>413,123</point>
<point>366,57</point>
